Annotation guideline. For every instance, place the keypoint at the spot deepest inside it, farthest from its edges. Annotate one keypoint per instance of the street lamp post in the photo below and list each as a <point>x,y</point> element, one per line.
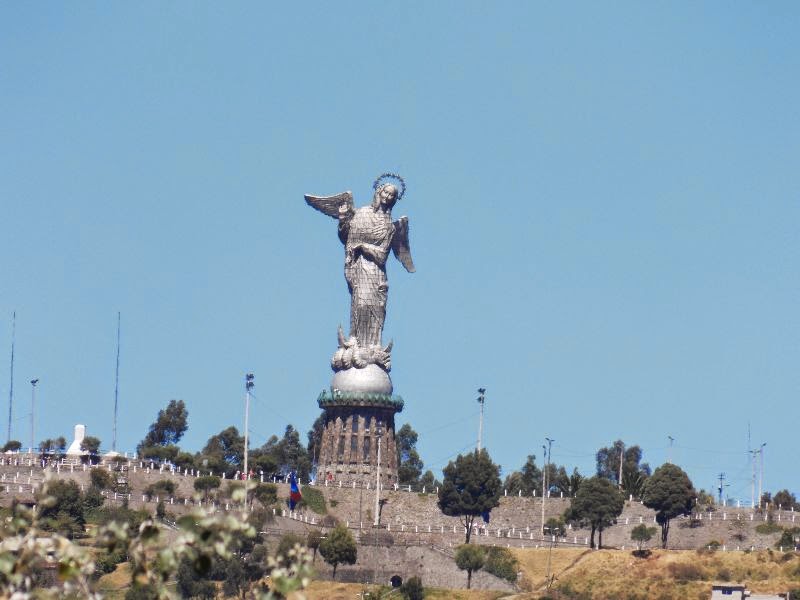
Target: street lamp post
<point>248,385</point>
<point>481,400</point>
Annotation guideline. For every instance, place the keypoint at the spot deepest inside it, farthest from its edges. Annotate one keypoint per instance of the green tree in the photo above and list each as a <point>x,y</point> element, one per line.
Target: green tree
<point>786,500</point>
<point>429,481</point>
<point>608,464</point>
<point>313,540</point>
<point>101,479</point>
<point>410,467</point>
<point>169,426</point>
<point>54,447</point>
<point>526,480</point>
<point>286,543</point>
<point>91,445</point>
<point>575,481</point>
<point>339,547</point>
<point>223,452</point>
<point>555,526</point>
<point>641,534</point>
<point>412,589</point>
<point>470,558</point>
<point>12,446</point>
<point>471,488</point>
<point>314,436</point>
<point>670,493</point>
<point>788,539</point>
<point>61,508</point>
<point>597,504</point>
<point>291,455</point>
<point>163,488</point>
<point>206,483</point>
<point>192,583</point>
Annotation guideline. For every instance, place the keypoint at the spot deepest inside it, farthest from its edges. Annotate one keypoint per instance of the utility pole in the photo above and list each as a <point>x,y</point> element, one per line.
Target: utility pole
<point>721,486</point>
<point>11,386</point>
<point>116,391</point>
<point>248,385</point>
<point>621,460</point>
<point>669,455</point>
<point>481,400</point>
<point>33,412</point>
<point>761,473</point>
<point>377,520</point>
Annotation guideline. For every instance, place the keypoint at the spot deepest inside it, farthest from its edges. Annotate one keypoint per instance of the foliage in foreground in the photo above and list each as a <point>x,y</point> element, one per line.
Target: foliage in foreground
<point>37,563</point>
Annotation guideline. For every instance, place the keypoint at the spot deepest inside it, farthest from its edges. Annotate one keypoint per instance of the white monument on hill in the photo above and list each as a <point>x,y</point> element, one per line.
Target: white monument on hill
<point>75,447</point>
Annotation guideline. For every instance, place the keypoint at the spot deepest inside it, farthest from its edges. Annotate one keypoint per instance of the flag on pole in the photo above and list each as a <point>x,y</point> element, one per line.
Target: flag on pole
<point>294,492</point>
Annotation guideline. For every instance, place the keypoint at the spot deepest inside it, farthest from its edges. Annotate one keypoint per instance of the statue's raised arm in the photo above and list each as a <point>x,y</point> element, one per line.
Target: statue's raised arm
<point>368,234</point>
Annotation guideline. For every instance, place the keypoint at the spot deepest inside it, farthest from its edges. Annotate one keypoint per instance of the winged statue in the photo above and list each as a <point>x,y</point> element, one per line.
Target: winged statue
<point>368,234</point>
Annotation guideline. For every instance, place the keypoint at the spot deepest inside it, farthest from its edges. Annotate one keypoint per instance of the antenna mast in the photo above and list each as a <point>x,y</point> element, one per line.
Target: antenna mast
<point>11,387</point>
<point>116,390</point>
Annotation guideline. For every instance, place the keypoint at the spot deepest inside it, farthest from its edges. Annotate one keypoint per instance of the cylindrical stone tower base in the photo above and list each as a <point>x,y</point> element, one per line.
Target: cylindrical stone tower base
<point>353,423</point>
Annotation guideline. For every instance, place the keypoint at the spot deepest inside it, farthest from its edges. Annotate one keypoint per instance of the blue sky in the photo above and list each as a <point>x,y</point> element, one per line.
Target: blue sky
<point>603,201</point>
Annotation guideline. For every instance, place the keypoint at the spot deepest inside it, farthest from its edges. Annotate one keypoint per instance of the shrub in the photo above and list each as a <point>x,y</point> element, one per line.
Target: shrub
<point>724,574</point>
<point>684,572</point>
<point>286,543</point>
<point>266,494</point>
<point>101,479</point>
<point>412,589</point>
<point>501,563</point>
<point>768,527</point>
<point>786,541</point>
<point>330,521</point>
<point>119,514</point>
<point>313,499</point>
<point>207,483</point>
<point>163,488</point>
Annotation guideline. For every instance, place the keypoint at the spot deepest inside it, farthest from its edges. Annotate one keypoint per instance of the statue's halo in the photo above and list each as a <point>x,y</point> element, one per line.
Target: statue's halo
<point>384,176</point>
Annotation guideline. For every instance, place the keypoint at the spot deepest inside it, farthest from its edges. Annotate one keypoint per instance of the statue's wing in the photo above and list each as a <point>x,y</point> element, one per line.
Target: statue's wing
<point>330,204</point>
<point>400,245</point>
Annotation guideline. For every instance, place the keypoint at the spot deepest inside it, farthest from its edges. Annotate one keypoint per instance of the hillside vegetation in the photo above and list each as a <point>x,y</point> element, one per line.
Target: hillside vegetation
<point>664,575</point>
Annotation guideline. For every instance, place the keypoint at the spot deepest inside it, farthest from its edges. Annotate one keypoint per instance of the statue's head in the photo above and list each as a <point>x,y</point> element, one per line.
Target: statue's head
<point>385,197</point>
<point>387,194</point>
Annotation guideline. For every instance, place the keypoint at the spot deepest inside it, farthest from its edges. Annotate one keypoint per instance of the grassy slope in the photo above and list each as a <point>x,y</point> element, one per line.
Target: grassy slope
<point>665,575</point>
<point>328,590</point>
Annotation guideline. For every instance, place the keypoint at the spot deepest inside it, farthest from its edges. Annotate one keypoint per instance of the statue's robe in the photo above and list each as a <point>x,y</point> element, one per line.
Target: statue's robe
<point>366,272</point>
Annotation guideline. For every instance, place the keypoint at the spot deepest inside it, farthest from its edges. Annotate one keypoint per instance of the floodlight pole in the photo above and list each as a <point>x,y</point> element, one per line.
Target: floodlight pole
<point>669,456</point>
<point>544,474</point>
<point>481,400</point>
<point>621,460</point>
<point>248,385</point>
